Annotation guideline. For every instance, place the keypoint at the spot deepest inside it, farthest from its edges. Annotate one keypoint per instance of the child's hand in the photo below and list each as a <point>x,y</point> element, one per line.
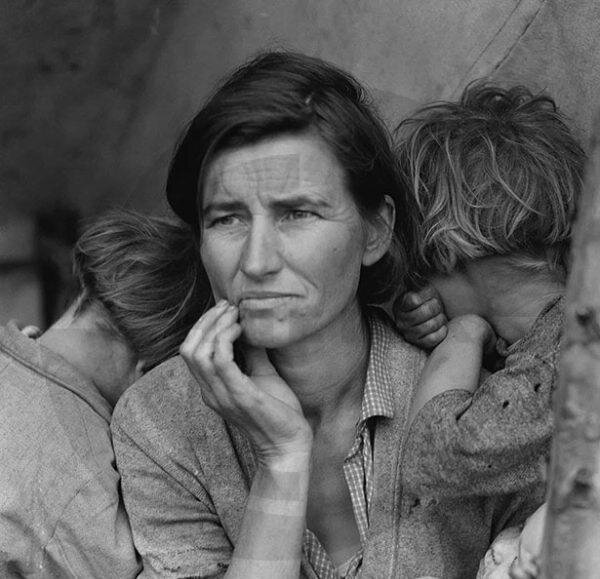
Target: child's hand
<point>473,328</point>
<point>29,331</point>
<point>500,556</point>
<point>530,546</point>
<point>420,317</point>
<point>455,363</point>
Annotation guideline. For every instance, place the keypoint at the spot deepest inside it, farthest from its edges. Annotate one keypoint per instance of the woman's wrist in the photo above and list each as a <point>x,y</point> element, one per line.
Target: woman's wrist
<point>270,541</point>
<point>293,458</point>
<point>283,479</point>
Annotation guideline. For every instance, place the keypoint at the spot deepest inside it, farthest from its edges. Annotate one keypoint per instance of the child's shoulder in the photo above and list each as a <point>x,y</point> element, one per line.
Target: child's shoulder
<point>542,342</point>
<point>546,331</point>
<point>551,318</point>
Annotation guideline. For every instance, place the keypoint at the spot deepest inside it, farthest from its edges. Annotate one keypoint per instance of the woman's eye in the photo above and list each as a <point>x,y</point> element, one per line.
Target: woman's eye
<point>296,214</point>
<point>223,220</point>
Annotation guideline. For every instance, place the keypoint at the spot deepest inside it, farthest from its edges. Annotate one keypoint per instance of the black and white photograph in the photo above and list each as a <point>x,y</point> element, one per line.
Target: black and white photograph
<point>300,289</point>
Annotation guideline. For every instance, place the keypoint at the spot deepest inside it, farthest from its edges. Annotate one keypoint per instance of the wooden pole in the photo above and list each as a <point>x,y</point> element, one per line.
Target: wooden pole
<point>571,545</point>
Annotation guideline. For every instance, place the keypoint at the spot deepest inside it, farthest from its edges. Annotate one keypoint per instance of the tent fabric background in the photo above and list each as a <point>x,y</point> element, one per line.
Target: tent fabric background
<point>95,93</point>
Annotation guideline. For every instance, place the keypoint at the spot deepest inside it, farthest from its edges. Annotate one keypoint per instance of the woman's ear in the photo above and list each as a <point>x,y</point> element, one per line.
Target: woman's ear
<point>379,232</point>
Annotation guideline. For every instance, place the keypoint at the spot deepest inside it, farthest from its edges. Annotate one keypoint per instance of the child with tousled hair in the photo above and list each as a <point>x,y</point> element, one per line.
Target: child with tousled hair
<point>140,289</point>
<point>496,177</point>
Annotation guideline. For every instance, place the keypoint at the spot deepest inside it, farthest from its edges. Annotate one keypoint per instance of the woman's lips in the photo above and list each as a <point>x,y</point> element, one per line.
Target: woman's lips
<point>264,301</point>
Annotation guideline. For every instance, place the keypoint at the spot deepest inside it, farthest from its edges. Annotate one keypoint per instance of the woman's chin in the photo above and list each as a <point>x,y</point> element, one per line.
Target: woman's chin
<point>266,335</point>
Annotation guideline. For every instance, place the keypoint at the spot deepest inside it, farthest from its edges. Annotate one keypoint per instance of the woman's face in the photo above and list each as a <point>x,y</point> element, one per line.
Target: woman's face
<point>282,238</point>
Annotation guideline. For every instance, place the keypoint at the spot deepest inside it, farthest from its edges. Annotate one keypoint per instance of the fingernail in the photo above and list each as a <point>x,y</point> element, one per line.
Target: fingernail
<point>221,303</point>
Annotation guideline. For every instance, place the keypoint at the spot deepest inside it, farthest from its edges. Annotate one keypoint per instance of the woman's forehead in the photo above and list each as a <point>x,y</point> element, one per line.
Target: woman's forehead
<point>279,166</point>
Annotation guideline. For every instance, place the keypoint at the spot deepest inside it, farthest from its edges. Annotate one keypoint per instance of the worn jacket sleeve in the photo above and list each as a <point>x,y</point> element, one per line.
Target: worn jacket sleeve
<point>92,538</point>
<point>493,442</point>
<point>175,527</point>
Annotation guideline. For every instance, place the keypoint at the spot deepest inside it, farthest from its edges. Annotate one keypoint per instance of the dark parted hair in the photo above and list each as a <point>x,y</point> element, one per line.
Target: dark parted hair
<point>497,173</point>
<point>289,93</point>
<point>145,274</point>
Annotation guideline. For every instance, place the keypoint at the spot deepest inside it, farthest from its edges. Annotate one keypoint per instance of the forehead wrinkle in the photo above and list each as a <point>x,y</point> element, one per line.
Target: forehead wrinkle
<point>273,174</point>
<point>276,175</point>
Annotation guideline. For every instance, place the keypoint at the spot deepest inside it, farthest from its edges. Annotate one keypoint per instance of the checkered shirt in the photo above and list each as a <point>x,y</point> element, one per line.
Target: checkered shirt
<point>377,400</point>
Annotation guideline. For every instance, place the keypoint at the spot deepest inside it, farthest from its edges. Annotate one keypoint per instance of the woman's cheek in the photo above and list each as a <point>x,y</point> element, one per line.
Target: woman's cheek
<point>217,261</point>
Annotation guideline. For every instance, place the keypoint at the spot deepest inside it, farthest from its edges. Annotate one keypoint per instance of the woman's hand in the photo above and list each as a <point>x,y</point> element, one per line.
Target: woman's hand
<point>420,317</point>
<point>260,403</point>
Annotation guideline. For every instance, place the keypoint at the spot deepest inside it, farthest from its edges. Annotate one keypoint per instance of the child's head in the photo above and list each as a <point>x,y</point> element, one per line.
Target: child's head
<point>497,173</point>
<point>141,274</point>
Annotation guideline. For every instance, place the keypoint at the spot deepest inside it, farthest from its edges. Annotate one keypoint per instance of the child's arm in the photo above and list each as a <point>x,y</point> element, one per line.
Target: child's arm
<point>492,442</point>
<point>455,363</point>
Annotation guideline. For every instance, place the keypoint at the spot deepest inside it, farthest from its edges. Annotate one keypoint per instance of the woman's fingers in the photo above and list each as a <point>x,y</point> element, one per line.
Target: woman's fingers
<point>258,363</point>
<point>206,346</point>
<point>262,404</point>
<point>198,351</point>
<point>243,389</point>
<point>223,342</point>
<point>203,325</point>
<point>199,343</point>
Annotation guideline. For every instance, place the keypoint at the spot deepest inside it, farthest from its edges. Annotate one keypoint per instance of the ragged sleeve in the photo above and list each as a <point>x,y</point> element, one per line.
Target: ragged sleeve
<point>493,442</point>
<point>175,526</point>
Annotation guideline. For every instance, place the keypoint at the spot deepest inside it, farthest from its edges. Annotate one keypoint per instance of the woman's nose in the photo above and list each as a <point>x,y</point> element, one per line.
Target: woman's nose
<point>261,255</point>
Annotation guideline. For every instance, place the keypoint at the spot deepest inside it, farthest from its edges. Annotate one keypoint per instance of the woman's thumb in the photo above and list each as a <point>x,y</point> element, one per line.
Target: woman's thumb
<point>257,362</point>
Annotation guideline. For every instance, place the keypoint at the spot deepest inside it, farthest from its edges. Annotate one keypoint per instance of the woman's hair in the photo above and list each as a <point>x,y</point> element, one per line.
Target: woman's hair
<point>497,173</point>
<point>289,93</point>
<point>144,272</point>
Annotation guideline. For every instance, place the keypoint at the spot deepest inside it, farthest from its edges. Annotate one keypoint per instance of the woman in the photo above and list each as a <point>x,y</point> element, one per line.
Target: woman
<point>60,509</point>
<point>275,448</point>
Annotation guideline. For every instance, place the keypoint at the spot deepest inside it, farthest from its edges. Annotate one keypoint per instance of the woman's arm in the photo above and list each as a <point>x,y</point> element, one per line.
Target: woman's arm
<point>176,528</point>
<point>270,541</point>
<point>267,411</point>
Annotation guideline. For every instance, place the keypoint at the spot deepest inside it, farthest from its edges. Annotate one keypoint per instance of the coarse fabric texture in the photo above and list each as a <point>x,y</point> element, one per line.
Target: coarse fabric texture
<point>60,512</point>
<point>496,440</point>
<point>186,476</point>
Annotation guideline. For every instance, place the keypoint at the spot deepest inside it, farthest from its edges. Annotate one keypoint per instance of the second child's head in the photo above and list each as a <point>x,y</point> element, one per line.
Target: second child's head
<point>140,276</point>
<point>497,173</point>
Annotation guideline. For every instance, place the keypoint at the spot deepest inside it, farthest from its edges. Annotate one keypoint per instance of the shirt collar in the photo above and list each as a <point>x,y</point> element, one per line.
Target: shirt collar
<point>378,397</point>
<point>50,365</point>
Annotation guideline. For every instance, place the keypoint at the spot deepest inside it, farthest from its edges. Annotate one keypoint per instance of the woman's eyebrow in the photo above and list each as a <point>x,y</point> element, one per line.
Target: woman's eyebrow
<point>223,206</point>
<point>299,200</point>
<point>279,203</point>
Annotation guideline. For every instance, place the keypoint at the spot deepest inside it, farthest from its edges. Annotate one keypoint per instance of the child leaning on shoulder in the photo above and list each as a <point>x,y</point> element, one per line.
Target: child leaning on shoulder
<point>496,176</point>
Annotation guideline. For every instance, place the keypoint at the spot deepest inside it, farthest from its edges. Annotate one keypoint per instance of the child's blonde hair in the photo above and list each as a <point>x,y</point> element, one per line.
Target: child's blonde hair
<point>497,173</point>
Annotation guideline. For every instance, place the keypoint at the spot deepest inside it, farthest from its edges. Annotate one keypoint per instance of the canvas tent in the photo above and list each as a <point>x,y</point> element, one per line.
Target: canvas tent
<point>95,93</point>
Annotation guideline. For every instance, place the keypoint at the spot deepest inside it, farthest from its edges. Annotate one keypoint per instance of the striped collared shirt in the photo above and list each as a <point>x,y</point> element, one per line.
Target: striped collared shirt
<point>377,401</point>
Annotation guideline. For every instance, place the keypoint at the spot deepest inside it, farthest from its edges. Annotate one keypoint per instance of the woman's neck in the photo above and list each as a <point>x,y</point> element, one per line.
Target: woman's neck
<point>327,370</point>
